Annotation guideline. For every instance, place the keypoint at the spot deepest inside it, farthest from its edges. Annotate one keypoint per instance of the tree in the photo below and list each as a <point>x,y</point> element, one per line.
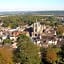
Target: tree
<point>5,41</point>
<point>2,61</point>
<point>6,56</point>
<point>27,52</point>
<point>49,56</point>
<point>61,54</point>
<point>51,18</point>
<point>60,29</point>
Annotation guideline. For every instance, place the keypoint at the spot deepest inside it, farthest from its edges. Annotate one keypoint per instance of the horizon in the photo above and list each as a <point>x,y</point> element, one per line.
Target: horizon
<point>31,10</point>
<point>31,5</point>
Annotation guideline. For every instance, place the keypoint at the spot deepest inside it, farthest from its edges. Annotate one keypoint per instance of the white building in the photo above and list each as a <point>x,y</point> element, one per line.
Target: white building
<point>52,42</point>
<point>38,28</point>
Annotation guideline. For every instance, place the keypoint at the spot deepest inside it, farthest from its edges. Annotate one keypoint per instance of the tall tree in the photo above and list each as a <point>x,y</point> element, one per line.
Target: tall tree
<point>49,56</point>
<point>6,56</point>
<point>27,52</point>
<point>61,54</point>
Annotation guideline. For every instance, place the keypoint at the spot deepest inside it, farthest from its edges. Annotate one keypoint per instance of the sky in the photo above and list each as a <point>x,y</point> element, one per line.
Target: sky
<point>31,5</point>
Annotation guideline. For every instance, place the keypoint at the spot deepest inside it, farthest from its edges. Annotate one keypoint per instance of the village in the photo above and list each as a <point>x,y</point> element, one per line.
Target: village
<point>40,34</point>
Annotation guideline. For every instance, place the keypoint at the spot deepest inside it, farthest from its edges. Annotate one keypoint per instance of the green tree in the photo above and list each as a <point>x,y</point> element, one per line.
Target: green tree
<point>27,52</point>
<point>5,41</point>
<point>60,29</point>
<point>61,54</point>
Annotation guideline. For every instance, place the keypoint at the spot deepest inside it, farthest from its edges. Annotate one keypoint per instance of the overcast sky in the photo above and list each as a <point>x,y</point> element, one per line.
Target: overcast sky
<point>31,5</point>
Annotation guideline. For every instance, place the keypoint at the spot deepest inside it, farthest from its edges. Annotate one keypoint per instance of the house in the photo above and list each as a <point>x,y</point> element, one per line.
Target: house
<point>1,33</point>
<point>14,45</point>
<point>52,42</point>
<point>1,40</point>
<point>4,37</point>
<point>14,32</point>
<point>13,38</point>
<point>48,40</point>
